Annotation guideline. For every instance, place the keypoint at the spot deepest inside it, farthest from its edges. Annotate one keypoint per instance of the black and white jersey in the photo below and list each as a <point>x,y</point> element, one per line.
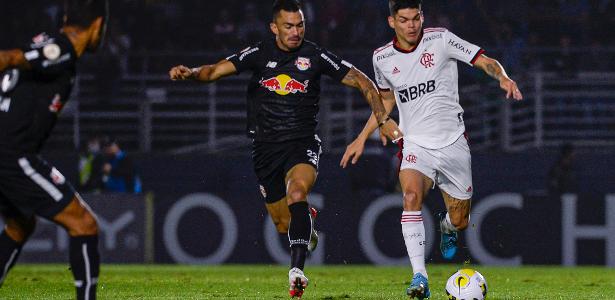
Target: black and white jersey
<point>30,100</point>
<point>284,91</point>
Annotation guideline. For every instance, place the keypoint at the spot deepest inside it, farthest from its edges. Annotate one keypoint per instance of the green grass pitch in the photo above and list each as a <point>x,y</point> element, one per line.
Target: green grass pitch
<point>326,282</point>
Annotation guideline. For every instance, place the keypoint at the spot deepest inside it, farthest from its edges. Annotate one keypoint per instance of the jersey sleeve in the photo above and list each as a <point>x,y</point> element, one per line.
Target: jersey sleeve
<point>460,49</point>
<point>333,66</point>
<point>246,59</point>
<point>382,83</point>
<point>48,55</point>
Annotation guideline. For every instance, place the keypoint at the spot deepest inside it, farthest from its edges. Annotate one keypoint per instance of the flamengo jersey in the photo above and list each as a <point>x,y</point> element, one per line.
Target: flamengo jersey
<point>424,81</point>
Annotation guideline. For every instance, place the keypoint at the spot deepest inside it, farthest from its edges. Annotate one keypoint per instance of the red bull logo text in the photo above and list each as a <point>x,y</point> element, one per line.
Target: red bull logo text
<point>284,85</point>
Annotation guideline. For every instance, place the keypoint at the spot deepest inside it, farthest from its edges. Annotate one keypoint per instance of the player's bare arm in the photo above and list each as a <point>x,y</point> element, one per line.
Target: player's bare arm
<point>357,79</point>
<point>206,73</point>
<point>355,149</point>
<point>12,58</point>
<point>494,69</point>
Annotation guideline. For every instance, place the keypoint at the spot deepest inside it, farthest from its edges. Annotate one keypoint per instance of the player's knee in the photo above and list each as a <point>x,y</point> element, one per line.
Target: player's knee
<point>297,191</point>
<point>297,196</point>
<point>84,225</point>
<point>412,201</point>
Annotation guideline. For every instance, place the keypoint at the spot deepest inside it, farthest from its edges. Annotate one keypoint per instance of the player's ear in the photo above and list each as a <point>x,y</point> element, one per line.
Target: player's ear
<point>391,20</point>
<point>274,28</point>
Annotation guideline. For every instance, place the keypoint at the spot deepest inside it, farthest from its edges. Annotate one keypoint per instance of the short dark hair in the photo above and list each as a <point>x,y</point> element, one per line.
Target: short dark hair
<point>83,12</point>
<point>396,5</point>
<point>285,5</point>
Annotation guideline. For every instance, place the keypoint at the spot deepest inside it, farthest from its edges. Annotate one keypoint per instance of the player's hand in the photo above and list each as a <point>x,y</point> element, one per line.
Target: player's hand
<point>353,152</point>
<point>511,88</point>
<point>390,131</point>
<point>181,73</point>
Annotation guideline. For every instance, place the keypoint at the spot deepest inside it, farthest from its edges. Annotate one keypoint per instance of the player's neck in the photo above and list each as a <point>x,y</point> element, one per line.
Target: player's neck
<point>78,37</point>
<point>405,45</point>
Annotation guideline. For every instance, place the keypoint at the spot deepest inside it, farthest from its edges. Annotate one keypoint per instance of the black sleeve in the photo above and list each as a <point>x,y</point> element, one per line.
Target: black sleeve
<point>49,55</point>
<point>333,66</point>
<point>246,59</point>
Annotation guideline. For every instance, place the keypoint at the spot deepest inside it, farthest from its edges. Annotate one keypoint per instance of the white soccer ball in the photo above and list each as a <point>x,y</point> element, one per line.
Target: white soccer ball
<point>466,284</point>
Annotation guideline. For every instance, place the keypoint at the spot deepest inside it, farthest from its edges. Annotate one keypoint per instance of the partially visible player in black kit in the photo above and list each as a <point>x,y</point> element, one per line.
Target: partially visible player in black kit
<point>36,81</point>
<point>283,96</point>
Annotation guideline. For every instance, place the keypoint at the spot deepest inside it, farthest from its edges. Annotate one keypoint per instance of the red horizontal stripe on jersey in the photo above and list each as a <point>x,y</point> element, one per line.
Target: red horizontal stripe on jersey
<point>382,49</point>
<point>431,29</point>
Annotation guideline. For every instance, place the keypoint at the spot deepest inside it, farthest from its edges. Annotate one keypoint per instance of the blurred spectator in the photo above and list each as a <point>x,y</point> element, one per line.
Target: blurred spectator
<point>368,30</point>
<point>562,177</point>
<point>91,167</point>
<point>565,64</point>
<point>252,29</point>
<point>225,31</point>
<point>120,172</point>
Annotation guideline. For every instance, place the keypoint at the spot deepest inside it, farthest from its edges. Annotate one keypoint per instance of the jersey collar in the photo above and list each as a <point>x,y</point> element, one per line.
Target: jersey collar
<point>420,39</point>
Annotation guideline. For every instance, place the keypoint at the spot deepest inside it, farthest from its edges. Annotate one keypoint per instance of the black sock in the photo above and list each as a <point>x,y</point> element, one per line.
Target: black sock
<point>9,252</point>
<point>85,265</point>
<point>297,256</point>
<point>299,231</point>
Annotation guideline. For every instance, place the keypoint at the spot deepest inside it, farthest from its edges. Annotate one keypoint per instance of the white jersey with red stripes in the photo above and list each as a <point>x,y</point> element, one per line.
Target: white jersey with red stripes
<point>424,81</point>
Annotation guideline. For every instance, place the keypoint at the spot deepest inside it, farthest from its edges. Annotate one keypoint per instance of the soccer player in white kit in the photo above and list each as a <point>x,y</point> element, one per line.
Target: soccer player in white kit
<point>418,72</point>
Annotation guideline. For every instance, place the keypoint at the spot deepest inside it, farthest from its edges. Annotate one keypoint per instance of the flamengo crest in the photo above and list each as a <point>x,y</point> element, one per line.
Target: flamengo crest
<point>427,60</point>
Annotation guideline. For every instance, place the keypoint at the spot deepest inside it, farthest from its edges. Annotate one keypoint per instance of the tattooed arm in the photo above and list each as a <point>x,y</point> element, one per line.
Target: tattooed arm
<point>494,69</point>
<point>360,81</point>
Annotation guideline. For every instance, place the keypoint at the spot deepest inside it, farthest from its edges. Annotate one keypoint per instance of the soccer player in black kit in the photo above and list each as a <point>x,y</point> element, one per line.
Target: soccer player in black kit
<point>36,81</point>
<point>283,96</point>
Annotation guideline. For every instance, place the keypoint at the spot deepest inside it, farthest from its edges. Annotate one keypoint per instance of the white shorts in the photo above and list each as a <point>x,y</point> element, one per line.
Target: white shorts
<point>450,167</point>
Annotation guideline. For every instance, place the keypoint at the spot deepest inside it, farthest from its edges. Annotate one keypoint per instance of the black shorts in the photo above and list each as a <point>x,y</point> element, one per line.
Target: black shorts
<point>29,186</point>
<point>273,160</point>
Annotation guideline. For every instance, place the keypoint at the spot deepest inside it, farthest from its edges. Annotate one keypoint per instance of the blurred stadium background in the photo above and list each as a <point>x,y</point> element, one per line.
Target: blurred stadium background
<point>201,203</point>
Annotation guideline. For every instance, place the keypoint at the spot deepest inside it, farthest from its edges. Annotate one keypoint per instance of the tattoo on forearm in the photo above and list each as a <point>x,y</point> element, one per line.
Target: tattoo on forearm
<point>494,70</point>
<point>357,79</point>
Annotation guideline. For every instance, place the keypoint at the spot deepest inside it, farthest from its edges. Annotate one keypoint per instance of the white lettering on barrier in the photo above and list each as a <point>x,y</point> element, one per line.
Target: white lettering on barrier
<point>571,232</point>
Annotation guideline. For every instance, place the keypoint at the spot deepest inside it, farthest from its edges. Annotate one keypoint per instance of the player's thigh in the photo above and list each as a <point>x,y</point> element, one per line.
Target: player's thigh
<point>77,217</point>
<point>417,173</point>
<point>302,165</point>
<point>415,186</point>
<point>32,186</point>
<point>455,170</point>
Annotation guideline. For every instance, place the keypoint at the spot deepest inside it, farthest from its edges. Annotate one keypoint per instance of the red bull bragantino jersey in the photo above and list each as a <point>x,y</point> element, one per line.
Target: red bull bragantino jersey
<point>30,100</point>
<point>284,90</point>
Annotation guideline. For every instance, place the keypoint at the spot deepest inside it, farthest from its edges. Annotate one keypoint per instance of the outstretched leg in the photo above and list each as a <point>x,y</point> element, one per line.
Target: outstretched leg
<point>299,181</point>
<point>80,223</point>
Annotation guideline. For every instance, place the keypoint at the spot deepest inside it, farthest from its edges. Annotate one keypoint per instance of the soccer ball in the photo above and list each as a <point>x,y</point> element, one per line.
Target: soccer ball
<point>466,284</point>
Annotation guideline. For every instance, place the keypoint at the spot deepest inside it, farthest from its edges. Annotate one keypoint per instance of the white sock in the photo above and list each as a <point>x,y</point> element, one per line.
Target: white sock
<point>446,226</point>
<point>414,236</point>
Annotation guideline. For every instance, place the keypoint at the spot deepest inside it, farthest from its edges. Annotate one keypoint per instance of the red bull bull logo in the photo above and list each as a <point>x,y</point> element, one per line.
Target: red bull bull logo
<point>284,85</point>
